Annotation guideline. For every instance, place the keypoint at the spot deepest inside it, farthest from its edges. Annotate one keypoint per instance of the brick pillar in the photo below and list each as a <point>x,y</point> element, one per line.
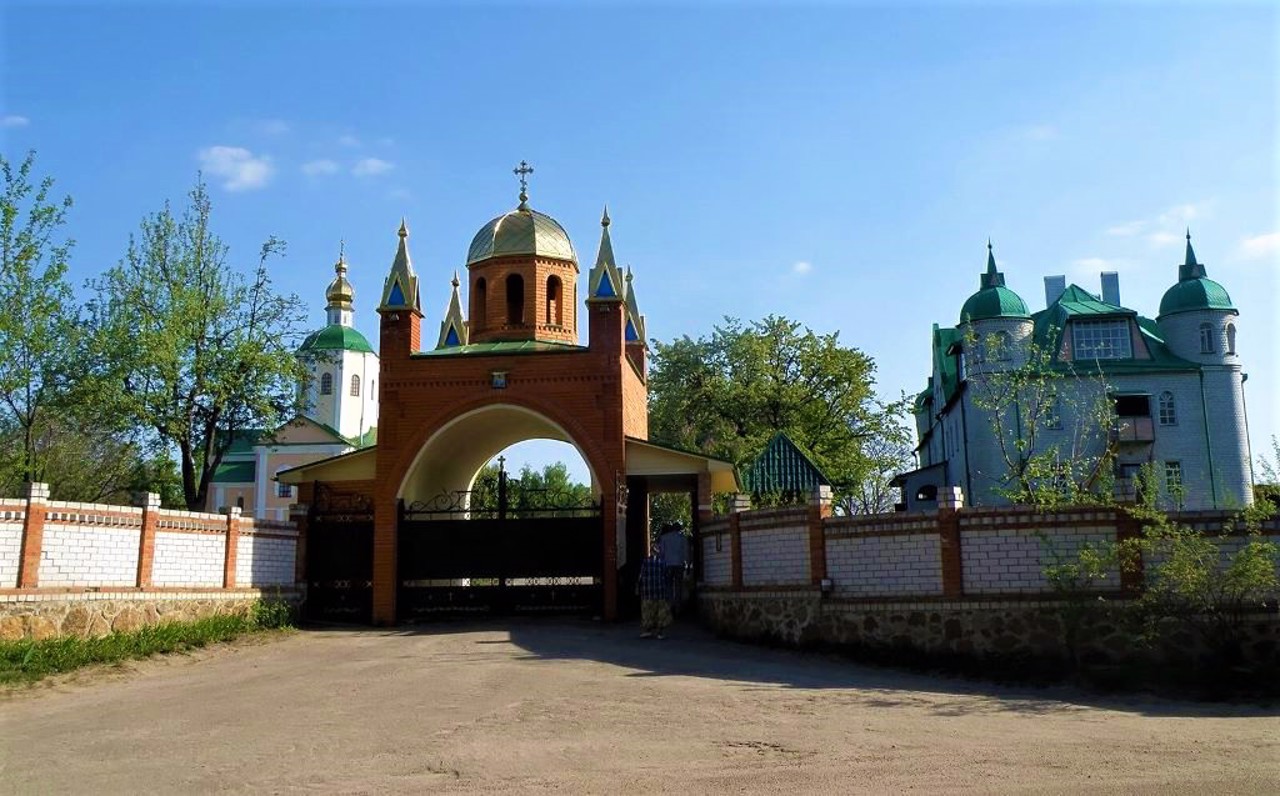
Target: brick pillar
<point>735,549</point>
<point>819,510</point>
<point>1131,570</point>
<point>298,515</point>
<point>385,531</point>
<point>32,535</point>
<point>952,568</point>
<point>150,503</point>
<point>233,544</point>
<point>702,506</point>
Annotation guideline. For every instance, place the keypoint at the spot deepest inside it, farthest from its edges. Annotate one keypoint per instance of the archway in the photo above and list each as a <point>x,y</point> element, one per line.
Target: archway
<point>463,549</point>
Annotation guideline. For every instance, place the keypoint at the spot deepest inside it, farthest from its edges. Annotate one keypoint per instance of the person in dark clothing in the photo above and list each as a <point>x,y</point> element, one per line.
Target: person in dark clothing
<point>655,595</point>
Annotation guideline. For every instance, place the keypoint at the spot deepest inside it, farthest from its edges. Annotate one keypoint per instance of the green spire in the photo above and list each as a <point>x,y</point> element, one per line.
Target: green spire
<point>604,282</point>
<point>453,329</point>
<point>993,277</point>
<point>400,291</point>
<point>1190,269</point>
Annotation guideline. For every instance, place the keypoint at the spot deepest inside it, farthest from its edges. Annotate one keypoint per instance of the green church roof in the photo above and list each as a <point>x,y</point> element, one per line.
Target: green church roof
<point>336,337</point>
<point>1201,293</point>
<point>234,473</point>
<point>993,300</point>
<point>783,467</point>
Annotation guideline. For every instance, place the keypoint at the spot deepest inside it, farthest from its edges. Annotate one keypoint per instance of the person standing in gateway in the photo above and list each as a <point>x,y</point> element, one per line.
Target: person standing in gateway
<point>655,596</point>
<point>675,551</point>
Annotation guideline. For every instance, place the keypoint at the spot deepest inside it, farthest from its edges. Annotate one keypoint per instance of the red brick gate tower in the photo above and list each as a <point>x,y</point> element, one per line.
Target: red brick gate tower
<point>513,371</point>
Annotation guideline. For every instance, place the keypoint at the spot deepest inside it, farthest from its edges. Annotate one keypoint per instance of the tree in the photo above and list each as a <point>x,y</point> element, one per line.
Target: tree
<point>1051,423</point>
<point>532,490</point>
<point>729,393</point>
<point>39,335</point>
<point>191,350</point>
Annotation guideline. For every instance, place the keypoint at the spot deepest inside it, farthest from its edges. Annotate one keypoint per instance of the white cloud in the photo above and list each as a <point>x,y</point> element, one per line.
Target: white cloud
<point>348,140</point>
<point>319,168</point>
<point>273,126</point>
<point>802,267</point>
<point>238,168</point>
<point>1182,214</point>
<point>1164,238</point>
<point>368,167</point>
<point>1259,246</point>
<point>1127,230</point>
<point>14,120</point>
<point>1163,229</point>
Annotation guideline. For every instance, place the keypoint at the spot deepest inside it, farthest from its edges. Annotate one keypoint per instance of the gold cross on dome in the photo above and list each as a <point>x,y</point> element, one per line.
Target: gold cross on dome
<point>523,171</point>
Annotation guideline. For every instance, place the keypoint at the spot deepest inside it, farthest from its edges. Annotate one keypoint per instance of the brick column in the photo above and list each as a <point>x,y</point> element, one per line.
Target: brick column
<point>950,502</point>
<point>298,515</point>
<point>150,503</point>
<point>1131,576</point>
<point>233,544</point>
<point>819,510</point>
<point>32,535</point>
<point>735,549</point>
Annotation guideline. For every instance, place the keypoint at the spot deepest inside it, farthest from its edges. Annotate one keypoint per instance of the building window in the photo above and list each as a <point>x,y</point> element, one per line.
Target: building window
<point>1168,411</point>
<point>326,384</point>
<point>515,300</point>
<point>554,313</point>
<point>240,502</point>
<point>355,385</point>
<point>1206,338</point>
<point>284,491</point>
<point>1173,484</point>
<point>479,303</point>
<point>1107,339</point>
<point>1231,339</point>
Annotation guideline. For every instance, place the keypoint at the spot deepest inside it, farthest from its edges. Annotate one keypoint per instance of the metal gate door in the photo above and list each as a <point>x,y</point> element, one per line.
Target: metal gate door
<point>339,553</point>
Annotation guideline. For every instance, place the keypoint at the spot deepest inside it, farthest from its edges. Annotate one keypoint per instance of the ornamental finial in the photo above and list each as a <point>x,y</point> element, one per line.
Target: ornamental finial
<point>404,229</point>
<point>523,171</point>
<point>341,266</point>
<point>455,281</point>
<point>604,219</point>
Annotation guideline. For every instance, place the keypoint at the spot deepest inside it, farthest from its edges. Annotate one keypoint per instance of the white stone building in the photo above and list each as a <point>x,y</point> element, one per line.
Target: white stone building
<point>1175,384</point>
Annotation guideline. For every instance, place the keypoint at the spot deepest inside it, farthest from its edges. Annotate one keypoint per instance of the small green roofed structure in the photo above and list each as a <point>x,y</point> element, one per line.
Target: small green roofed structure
<point>1195,290</point>
<point>993,300</point>
<point>782,468</point>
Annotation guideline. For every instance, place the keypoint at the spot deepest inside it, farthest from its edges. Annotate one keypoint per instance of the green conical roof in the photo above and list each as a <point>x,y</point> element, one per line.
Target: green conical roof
<point>1195,290</point>
<point>335,337</point>
<point>993,300</point>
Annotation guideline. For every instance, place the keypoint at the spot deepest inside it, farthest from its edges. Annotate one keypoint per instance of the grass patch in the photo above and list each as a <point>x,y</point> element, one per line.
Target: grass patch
<point>27,661</point>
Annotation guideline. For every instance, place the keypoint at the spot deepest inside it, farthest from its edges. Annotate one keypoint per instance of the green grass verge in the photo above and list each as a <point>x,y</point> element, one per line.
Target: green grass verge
<point>28,661</point>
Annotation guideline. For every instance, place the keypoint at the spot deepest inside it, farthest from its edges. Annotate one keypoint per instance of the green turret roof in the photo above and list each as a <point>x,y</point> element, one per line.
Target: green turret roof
<point>993,300</point>
<point>1195,290</point>
<point>335,337</point>
<point>783,467</point>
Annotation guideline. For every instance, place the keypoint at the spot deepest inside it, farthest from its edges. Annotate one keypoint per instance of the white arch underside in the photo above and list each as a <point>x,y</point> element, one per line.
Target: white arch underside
<point>451,458</point>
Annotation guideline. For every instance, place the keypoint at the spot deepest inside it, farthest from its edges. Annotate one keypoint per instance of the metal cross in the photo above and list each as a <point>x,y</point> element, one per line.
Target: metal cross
<point>502,463</point>
<point>523,171</point>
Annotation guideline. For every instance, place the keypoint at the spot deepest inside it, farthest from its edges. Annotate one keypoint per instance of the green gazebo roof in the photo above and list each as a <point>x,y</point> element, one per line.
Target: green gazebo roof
<point>336,337</point>
<point>783,467</point>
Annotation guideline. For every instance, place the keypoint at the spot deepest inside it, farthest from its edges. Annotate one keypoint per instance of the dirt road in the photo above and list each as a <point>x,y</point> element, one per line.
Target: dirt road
<point>556,706</point>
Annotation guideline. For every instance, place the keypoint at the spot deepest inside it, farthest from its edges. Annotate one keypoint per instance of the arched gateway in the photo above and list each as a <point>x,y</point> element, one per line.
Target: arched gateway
<point>393,531</point>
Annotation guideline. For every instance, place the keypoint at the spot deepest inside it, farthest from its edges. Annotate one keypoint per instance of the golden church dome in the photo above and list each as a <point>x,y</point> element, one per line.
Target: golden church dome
<point>521,231</point>
<point>340,293</point>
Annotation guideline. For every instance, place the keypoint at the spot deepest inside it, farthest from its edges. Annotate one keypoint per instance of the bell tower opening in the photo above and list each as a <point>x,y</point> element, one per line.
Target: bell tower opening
<point>555,312</point>
<point>515,300</point>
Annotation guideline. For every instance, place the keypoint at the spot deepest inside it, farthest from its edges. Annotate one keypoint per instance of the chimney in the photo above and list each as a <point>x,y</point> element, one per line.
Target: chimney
<point>1054,286</point>
<point>1111,288</point>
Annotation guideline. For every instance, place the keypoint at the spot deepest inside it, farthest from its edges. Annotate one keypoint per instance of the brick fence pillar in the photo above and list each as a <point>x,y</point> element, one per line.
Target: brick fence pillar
<point>1131,569</point>
<point>819,510</point>
<point>32,535</point>
<point>150,503</point>
<point>735,549</point>
<point>950,503</point>
<point>298,515</point>
<point>233,545</point>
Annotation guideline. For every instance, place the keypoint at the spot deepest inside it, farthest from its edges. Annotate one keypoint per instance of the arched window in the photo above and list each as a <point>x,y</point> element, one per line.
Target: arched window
<point>1206,338</point>
<point>479,303</point>
<point>515,300</point>
<point>1231,339</point>
<point>1168,411</point>
<point>1003,343</point>
<point>326,384</point>
<point>355,384</point>
<point>927,492</point>
<point>554,314</point>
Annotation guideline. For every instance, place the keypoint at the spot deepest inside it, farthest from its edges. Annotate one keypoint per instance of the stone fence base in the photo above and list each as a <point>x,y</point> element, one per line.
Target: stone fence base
<point>96,614</point>
<point>975,629</point>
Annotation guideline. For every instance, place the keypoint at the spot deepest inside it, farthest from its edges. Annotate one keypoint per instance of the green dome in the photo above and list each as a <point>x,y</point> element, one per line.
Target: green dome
<point>1200,293</point>
<point>336,337</point>
<point>993,302</point>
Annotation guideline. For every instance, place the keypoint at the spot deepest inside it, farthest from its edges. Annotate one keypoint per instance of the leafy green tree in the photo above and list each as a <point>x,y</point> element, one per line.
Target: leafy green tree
<point>729,393</point>
<point>39,335</point>
<point>530,490</point>
<point>191,350</point>
<point>1051,423</point>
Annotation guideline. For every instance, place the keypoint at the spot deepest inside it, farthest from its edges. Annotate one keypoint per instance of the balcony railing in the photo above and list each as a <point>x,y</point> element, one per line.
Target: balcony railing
<point>1133,429</point>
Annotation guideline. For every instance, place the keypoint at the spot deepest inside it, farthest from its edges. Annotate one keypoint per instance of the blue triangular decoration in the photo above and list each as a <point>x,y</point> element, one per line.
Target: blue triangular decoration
<point>605,289</point>
<point>632,335</point>
<point>452,337</point>
<point>396,299</point>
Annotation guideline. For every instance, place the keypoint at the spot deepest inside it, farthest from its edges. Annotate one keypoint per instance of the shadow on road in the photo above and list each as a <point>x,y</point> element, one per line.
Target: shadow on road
<point>690,651</point>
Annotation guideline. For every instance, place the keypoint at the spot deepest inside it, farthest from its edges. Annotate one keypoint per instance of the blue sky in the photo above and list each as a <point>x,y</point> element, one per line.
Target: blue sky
<point>839,164</point>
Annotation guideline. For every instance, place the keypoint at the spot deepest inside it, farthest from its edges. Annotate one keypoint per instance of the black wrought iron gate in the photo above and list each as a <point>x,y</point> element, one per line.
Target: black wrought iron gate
<point>339,558</point>
<point>499,550</point>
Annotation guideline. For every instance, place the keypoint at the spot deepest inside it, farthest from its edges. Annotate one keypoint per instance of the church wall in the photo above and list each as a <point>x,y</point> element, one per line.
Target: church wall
<point>534,271</point>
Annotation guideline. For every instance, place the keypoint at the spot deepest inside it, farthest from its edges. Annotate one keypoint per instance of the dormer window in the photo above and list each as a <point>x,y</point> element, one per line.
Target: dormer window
<point>1103,339</point>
